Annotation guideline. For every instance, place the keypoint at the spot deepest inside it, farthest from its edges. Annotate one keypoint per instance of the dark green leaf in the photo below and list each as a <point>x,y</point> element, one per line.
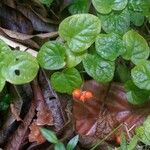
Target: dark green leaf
<point>136,95</point>
<point>137,18</point>
<point>4,103</point>
<point>72,143</point>
<point>137,48</point>
<point>52,56</point>
<point>22,68</point>
<point>59,146</point>
<point>141,75</point>
<point>80,31</point>
<point>66,81</point>
<point>100,69</point>
<point>49,135</point>
<point>117,22</point>
<point>79,6</point>
<point>109,46</point>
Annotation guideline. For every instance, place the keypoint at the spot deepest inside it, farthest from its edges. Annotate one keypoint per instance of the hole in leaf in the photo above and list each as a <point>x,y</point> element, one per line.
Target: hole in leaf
<point>17,72</point>
<point>17,59</point>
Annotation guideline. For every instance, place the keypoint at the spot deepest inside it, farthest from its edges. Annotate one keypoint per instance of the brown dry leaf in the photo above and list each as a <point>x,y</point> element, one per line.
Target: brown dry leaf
<point>44,114</point>
<point>105,111</point>
<point>15,112</point>
<point>35,134</point>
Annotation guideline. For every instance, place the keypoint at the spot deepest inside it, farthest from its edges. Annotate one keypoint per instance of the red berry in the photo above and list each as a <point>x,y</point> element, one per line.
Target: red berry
<point>76,94</point>
<point>82,98</point>
<point>118,140</point>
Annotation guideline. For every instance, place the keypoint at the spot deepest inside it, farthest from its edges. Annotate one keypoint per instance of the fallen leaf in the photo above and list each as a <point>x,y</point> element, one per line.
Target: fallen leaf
<point>35,134</point>
<point>105,111</point>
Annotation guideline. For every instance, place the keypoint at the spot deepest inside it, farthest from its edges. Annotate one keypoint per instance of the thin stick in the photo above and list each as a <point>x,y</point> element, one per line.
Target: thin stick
<point>100,142</point>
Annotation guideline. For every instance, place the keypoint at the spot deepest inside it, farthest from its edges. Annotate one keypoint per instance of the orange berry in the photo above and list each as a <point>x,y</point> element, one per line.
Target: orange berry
<point>118,140</point>
<point>82,98</point>
<point>88,95</point>
<point>76,94</point>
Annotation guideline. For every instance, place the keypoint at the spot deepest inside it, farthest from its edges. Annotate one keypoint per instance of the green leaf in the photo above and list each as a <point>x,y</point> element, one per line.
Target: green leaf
<point>72,143</point>
<point>4,47</point>
<point>117,22</point>
<point>49,135</point>
<point>141,75</point>
<point>59,146</point>
<point>123,144</point>
<point>136,95</point>
<point>66,81</point>
<point>100,69</point>
<point>143,132</point>
<point>73,59</point>
<point>119,4</point>
<point>52,56</point>
<point>137,18</point>
<point>137,48</point>
<point>106,6</point>
<point>80,31</point>
<point>79,6</point>
<point>109,46</point>
<point>133,143</point>
<point>22,68</point>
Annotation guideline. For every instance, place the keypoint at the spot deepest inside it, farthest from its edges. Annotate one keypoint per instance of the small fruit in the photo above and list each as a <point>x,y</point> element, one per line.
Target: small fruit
<point>76,94</point>
<point>82,98</point>
<point>118,140</point>
<point>88,95</point>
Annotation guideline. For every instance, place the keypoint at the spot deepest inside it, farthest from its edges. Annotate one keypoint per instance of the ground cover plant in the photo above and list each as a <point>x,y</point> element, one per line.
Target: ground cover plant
<point>75,73</point>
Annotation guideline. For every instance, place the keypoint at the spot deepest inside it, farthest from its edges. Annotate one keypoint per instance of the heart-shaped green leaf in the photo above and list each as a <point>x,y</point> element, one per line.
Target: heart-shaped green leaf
<point>141,75</point>
<point>80,31</point>
<point>109,46</point>
<point>137,48</point>
<point>100,69</point>
<point>66,81</point>
<point>21,69</point>
<point>117,22</point>
<point>52,56</point>
<point>106,6</point>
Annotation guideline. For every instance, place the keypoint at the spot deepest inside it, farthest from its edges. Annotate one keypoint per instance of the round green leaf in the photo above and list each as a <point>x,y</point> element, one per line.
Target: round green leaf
<point>106,6</point>
<point>52,56</point>
<point>66,81</point>
<point>136,95</point>
<point>80,31</point>
<point>109,46</point>
<point>98,68</point>
<point>117,22</point>
<point>137,48</point>
<point>21,69</point>
<point>141,75</point>
<point>73,59</point>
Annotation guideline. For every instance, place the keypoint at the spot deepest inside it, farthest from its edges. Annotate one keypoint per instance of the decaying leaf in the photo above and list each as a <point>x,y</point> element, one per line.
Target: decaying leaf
<point>35,134</point>
<point>105,111</point>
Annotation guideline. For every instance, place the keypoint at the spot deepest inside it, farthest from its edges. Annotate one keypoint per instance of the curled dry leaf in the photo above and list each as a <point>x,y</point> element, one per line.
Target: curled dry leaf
<point>107,110</point>
<point>35,134</point>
